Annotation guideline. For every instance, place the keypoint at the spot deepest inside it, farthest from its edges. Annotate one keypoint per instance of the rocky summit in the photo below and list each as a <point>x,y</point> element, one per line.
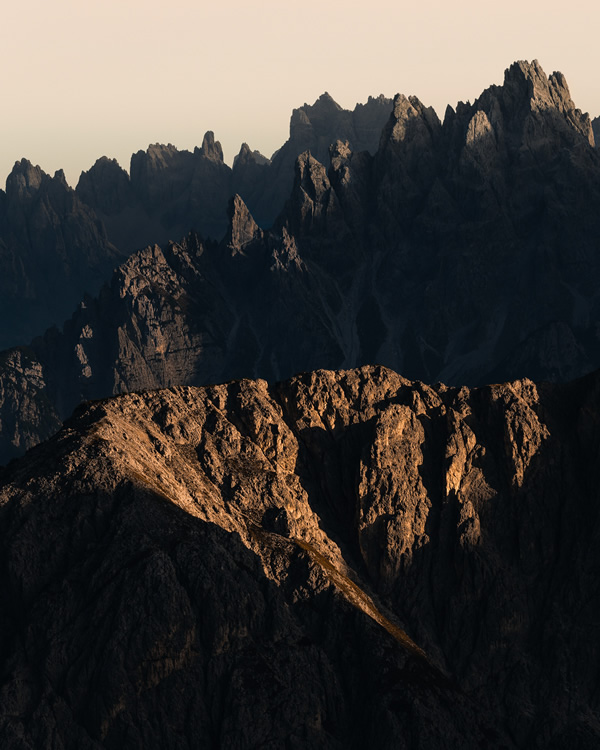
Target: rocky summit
<point>57,244</point>
<point>464,251</point>
<point>343,560</point>
<point>53,249</point>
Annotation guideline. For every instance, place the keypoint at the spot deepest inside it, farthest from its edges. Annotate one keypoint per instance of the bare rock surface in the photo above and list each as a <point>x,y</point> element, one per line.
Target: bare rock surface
<point>171,192</point>
<point>462,251</point>
<point>315,128</point>
<point>27,415</point>
<point>53,250</point>
<point>346,559</point>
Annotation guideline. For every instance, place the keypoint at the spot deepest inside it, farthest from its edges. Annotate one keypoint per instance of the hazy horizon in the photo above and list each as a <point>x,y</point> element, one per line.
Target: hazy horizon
<point>108,79</point>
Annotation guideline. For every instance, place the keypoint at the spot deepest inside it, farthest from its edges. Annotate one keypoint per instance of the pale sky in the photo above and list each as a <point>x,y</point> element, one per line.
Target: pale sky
<point>86,79</point>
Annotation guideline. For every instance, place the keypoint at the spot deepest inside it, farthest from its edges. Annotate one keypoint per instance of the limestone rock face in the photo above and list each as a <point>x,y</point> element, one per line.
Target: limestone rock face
<point>346,559</point>
<point>171,192</point>
<point>106,187</point>
<point>27,415</point>
<point>211,149</point>
<point>481,213</point>
<point>194,312</point>
<point>312,199</point>
<point>250,174</point>
<point>243,230</point>
<point>184,190</point>
<point>462,252</point>
<point>246,154</point>
<point>53,249</point>
<point>57,244</point>
<point>315,128</point>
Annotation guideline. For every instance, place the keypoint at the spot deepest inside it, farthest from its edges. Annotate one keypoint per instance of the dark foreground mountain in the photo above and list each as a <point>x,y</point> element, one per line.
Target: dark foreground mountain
<point>343,560</point>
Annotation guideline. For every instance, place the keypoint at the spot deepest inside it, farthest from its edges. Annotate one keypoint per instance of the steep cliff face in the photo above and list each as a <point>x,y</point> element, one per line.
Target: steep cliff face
<point>53,249</point>
<point>463,252</point>
<point>315,128</point>
<point>193,313</point>
<point>27,414</point>
<point>171,192</point>
<point>345,559</point>
<point>491,220</point>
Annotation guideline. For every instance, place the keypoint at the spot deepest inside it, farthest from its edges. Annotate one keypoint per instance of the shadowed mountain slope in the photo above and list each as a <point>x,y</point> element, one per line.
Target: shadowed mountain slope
<point>171,192</point>
<point>341,560</point>
<point>53,249</point>
<point>56,244</point>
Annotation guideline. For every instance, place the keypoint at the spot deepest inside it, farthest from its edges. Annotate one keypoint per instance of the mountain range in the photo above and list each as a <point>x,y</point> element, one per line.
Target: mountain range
<point>343,560</point>
<point>57,243</point>
<point>462,251</point>
<point>312,460</point>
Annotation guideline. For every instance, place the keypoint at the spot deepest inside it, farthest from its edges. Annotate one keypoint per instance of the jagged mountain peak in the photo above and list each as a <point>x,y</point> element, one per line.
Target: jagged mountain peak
<point>326,100</point>
<point>411,128</point>
<point>159,154</point>
<point>211,149</point>
<point>533,106</point>
<point>242,228</point>
<point>379,99</point>
<point>59,176</point>
<point>470,206</point>
<point>105,187</point>
<point>105,163</point>
<point>246,156</point>
<point>25,179</point>
<point>323,103</point>
<point>27,182</point>
<point>408,114</point>
<point>310,174</point>
<point>523,69</point>
<point>103,170</point>
<point>348,557</point>
<point>528,80</point>
<point>317,117</point>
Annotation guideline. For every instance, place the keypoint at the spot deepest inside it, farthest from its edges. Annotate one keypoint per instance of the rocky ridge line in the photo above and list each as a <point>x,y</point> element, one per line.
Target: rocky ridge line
<point>270,554</point>
<point>463,251</point>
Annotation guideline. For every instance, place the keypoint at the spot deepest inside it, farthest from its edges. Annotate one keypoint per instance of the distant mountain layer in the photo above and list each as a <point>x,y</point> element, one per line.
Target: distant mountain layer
<point>171,192</point>
<point>464,252</point>
<point>343,560</point>
<point>57,244</point>
<point>53,248</point>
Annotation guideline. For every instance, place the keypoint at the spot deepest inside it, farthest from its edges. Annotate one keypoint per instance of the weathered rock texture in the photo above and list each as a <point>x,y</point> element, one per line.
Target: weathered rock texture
<point>344,560</point>
<point>314,128</point>
<point>57,243</point>
<point>465,252</point>
<point>171,192</point>
<point>53,249</point>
